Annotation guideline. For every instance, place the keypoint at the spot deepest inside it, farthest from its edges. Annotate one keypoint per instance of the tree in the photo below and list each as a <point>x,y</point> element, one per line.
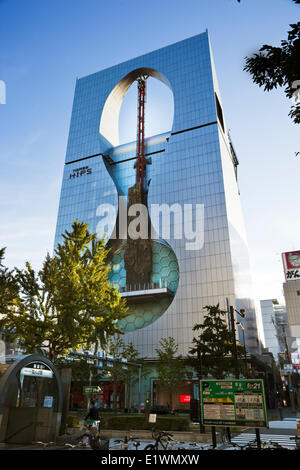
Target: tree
<point>131,373</point>
<point>118,371</point>
<point>9,291</point>
<point>279,66</point>
<point>115,371</point>
<point>69,303</point>
<point>171,368</point>
<point>213,345</point>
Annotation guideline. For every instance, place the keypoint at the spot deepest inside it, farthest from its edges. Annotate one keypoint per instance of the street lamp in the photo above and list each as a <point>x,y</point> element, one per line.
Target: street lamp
<point>291,392</point>
<point>244,341</point>
<point>232,321</point>
<point>199,373</point>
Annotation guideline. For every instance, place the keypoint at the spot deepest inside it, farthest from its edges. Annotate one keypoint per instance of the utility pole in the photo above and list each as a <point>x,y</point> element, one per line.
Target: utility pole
<point>140,381</point>
<point>245,351</point>
<point>237,372</point>
<point>234,348</point>
<point>291,392</point>
<point>147,406</point>
<point>241,312</point>
<point>199,371</point>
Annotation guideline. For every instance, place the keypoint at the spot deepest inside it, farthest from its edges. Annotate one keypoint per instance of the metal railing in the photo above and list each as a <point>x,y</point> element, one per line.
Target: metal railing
<point>162,283</point>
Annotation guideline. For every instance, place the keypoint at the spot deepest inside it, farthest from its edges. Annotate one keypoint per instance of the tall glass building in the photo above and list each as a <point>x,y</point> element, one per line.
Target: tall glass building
<point>192,170</point>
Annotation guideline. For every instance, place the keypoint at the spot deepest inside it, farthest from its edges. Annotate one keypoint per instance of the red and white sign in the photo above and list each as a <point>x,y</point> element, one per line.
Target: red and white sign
<point>291,265</point>
<point>184,398</point>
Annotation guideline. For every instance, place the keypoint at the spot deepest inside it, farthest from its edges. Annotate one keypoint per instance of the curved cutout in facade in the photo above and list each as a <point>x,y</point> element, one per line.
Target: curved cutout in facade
<point>109,122</point>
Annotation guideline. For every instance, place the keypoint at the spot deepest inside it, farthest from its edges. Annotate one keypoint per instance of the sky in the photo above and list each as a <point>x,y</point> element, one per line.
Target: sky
<point>45,45</point>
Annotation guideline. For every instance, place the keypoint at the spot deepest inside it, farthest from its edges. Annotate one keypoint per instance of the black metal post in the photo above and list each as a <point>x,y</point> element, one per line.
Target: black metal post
<point>234,349</point>
<point>228,434</point>
<point>199,370</point>
<point>257,432</point>
<point>214,437</point>
<point>245,351</point>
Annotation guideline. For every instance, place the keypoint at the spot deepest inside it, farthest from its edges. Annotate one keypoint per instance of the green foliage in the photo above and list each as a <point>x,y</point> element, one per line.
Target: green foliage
<point>170,369</point>
<point>211,353</point>
<point>138,422</point>
<point>82,372</point>
<point>9,291</point>
<point>279,66</point>
<point>69,303</point>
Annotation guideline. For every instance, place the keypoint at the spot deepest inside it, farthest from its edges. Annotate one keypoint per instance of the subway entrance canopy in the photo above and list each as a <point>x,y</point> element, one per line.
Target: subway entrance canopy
<point>30,399</point>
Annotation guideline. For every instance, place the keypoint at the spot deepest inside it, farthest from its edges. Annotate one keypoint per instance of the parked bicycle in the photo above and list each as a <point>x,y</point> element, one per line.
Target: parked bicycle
<point>297,441</point>
<point>123,444</point>
<point>91,437</point>
<point>198,446</point>
<point>251,445</point>
<point>162,440</point>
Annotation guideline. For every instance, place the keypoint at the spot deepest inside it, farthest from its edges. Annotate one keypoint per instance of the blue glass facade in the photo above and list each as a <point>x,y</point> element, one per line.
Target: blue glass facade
<point>192,164</point>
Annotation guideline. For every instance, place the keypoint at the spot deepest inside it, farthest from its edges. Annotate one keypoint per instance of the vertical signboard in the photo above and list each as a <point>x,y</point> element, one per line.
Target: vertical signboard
<point>234,403</point>
<point>291,265</point>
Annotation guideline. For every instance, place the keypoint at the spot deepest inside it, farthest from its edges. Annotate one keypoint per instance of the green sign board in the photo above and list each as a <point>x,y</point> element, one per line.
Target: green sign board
<point>233,403</point>
<point>88,390</point>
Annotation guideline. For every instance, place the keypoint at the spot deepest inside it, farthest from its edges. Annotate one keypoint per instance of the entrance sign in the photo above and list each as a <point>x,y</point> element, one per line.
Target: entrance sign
<point>32,372</point>
<point>234,403</point>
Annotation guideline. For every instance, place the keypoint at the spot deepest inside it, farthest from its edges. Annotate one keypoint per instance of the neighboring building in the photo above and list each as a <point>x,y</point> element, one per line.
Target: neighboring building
<point>292,299</point>
<point>276,329</point>
<point>291,288</point>
<point>168,286</point>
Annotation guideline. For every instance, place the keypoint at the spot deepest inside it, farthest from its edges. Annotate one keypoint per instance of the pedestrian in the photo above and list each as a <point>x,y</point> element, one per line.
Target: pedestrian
<point>93,412</point>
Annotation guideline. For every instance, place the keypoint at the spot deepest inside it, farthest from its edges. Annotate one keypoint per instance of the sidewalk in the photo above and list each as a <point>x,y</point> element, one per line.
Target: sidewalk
<point>279,418</point>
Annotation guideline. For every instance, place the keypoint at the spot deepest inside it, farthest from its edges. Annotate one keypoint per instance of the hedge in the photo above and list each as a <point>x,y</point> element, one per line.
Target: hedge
<point>164,423</point>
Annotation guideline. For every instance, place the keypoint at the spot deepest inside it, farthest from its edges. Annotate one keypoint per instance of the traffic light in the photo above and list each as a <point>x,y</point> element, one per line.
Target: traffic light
<point>147,405</point>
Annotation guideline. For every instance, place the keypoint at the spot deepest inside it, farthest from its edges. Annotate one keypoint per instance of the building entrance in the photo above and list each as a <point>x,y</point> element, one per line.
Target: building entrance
<point>30,399</point>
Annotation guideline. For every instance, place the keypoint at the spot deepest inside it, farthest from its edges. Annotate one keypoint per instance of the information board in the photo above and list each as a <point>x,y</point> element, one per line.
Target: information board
<point>234,403</point>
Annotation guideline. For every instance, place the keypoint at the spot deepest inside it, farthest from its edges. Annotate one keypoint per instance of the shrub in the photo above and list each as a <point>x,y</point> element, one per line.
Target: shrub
<point>165,423</point>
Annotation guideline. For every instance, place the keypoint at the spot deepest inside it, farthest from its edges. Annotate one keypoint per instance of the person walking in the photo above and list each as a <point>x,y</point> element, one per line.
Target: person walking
<point>93,412</point>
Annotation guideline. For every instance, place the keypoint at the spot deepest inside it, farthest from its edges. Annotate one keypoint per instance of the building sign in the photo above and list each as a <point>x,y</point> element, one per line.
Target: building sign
<point>233,403</point>
<point>291,265</point>
<point>85,170</point>
<point>184,398</point>
<point>295,360</point>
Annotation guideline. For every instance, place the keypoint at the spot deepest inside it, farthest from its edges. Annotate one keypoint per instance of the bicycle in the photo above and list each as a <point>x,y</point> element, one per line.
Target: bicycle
<point>91,436</point>
<point>297,441</point>
<point>162,440</point>
<point>125,443</point>
<point>251,445</point>
<point>44,444</point>
<point>198,446</point>
<point>176,445</point>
